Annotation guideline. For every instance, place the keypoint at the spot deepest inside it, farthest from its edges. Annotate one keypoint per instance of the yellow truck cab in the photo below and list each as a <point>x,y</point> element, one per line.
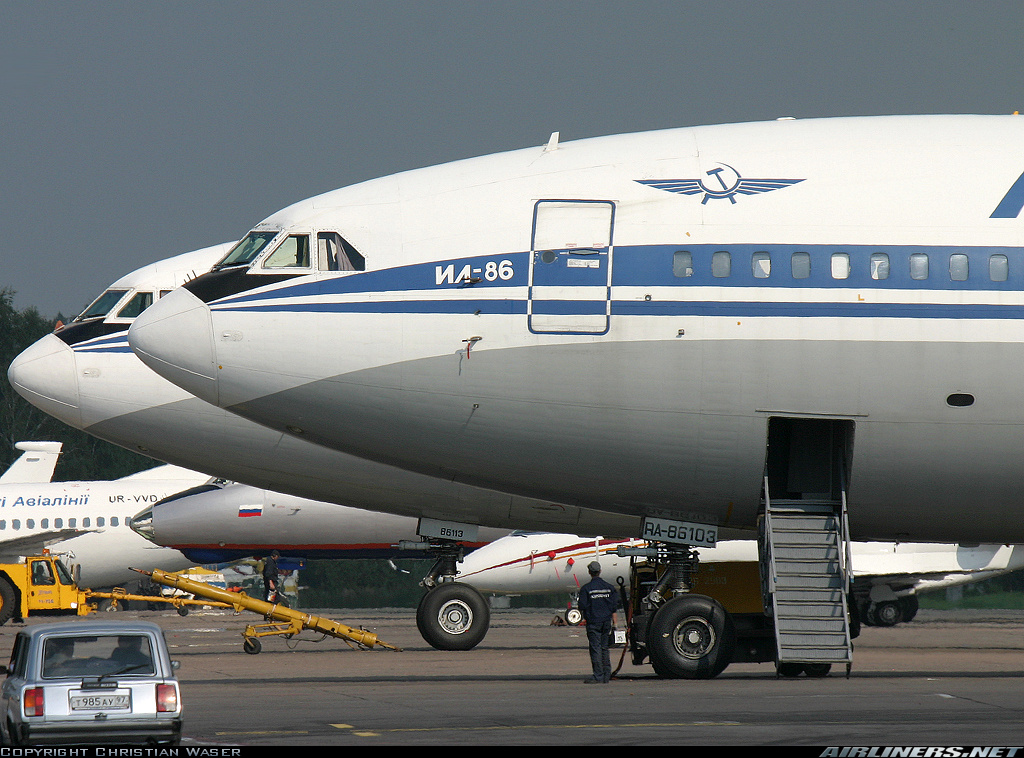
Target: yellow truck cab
<point>38,585</point>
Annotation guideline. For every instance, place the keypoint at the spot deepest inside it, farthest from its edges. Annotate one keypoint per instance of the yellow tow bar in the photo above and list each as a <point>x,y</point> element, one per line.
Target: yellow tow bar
<point>285,621</point>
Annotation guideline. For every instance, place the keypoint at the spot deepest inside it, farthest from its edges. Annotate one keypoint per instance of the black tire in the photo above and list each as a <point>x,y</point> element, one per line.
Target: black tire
<point>251,645</point>
<point>8,601</point>
<point>888,613</point>
<point>453,616</point>
<point>817,670</point>
<point>691,637</point>
<point>789,670</point>
<point>419,616</point>
<point>182,610</point>
<point>909,605</point>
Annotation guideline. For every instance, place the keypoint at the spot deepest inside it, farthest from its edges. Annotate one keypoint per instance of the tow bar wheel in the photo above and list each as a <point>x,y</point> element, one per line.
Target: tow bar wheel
<point>691,637</point>
<point>453,616</point>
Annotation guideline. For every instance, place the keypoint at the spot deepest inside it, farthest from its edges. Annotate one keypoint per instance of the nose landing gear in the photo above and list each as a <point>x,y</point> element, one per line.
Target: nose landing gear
<point>451,615</point>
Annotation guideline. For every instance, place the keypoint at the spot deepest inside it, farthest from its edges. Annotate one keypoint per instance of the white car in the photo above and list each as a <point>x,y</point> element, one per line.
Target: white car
<point>90,681</point>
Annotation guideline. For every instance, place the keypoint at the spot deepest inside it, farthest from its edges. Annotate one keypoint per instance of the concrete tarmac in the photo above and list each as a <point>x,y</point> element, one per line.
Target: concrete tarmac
<point>946,678</point>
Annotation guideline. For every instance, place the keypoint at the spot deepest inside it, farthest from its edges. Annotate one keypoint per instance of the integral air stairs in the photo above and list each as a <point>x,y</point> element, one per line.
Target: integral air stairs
<point>804,549</point>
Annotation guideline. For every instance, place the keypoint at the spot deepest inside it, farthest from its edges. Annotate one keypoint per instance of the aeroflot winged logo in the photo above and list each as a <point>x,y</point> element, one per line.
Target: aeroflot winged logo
<point>722,183</point>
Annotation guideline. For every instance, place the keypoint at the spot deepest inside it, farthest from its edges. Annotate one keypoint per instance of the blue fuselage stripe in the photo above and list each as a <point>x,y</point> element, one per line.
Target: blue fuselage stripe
<point>977,270</point>
<point>1011,204</point>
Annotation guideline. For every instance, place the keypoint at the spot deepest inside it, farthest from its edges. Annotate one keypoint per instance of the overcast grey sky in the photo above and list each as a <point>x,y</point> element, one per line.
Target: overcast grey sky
<point>133,131</point>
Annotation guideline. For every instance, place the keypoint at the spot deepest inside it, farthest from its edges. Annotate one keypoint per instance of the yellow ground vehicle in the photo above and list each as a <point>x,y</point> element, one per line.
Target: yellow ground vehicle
<point>42,585</point>
<point>39,584</point>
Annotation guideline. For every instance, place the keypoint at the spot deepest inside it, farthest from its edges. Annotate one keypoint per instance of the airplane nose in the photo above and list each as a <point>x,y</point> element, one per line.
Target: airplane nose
<point>142,524</point>
<point>174,337</point>
<point>45,375</point>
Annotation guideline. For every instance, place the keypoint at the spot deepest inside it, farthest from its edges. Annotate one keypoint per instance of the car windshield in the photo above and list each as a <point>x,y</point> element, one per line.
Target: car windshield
<point>247,249</point>
<point>101,306</point>
<point>97,655</point>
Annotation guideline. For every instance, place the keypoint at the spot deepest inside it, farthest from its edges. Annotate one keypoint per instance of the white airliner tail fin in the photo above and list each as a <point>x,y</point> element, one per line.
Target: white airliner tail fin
<point>35,465</point>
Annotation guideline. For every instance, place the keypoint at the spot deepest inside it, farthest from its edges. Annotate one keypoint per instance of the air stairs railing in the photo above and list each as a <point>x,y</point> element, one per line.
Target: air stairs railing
<point>806,571</point>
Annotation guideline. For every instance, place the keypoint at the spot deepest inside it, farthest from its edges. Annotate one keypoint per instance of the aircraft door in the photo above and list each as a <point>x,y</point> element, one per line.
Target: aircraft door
<point>571,267</point>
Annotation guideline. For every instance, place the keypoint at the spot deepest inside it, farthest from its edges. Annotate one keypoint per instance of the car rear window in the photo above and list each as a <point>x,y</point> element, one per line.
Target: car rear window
<point>97,655</point>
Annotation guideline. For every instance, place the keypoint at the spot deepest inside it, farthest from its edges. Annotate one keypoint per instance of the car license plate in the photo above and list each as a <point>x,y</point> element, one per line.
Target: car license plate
<point>101,701</point>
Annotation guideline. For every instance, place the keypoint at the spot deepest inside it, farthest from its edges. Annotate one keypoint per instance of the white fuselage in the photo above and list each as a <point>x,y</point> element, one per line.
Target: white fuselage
<point>613,323</point>
<point>89,523</point>
<point>226,523</point>
<point>86,376</point>
<point>521,564</point>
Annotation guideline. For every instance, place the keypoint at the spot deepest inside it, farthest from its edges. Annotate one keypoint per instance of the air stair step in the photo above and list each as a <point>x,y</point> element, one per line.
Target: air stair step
<point>804,550</point>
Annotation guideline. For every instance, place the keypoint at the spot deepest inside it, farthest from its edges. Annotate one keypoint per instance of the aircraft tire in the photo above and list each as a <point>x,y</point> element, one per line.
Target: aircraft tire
<point>8,600</point>
<point>789,670</point>
<point>691,637</point>
<point>888,613</point>
<point>453,616</point>
<point>909,605</point>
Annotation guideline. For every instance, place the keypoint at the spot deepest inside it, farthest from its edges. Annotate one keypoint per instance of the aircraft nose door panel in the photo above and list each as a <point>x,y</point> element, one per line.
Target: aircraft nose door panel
<point>571,267</point>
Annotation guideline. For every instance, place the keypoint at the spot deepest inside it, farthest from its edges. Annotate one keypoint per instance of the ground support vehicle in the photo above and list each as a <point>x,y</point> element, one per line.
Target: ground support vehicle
<point>41,585</point>
<point>283,621</point>
<point>90,682</point>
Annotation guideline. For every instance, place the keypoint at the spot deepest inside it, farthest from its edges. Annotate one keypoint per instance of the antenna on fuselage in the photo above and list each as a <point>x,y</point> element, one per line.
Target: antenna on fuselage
<point>552,143</point>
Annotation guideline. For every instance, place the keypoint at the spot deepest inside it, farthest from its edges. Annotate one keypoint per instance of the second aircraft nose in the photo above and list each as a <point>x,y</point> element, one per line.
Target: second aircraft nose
<point>45,375</point>
<point>174,337</point>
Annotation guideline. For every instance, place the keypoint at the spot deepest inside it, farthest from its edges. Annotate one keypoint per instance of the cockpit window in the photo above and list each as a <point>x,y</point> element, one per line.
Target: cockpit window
<point>250,246</point>
<point>293,252</point>
<point>102,305</point>
<point>136,305</point>
<point>336,254</point>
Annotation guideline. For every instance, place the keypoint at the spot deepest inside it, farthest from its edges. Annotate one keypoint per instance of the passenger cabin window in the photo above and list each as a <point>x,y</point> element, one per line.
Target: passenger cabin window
<point>248,248</point>
<point>958,267</point>
<point>721,264</point>
<point>919,266</point>
<point>801,265</point>
<point>840,265</point>
<point>136,305</point>
<point>58,523</point>
<point>113,521</point>
<point>879,265</point>
<point>682,263</point>
<point>761,265</point>
<point>293,252</point>
<point>99,521</point>
<point>334,253</point>
<point>998,268</point>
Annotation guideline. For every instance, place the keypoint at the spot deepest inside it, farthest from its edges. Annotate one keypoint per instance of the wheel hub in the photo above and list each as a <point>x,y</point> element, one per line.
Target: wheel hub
<point>693,637</point>
<point>455,617</point>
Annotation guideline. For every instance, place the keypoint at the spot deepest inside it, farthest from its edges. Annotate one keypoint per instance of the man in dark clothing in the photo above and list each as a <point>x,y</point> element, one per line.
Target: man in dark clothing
<point>597,602</point>
<point>270,577</point>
